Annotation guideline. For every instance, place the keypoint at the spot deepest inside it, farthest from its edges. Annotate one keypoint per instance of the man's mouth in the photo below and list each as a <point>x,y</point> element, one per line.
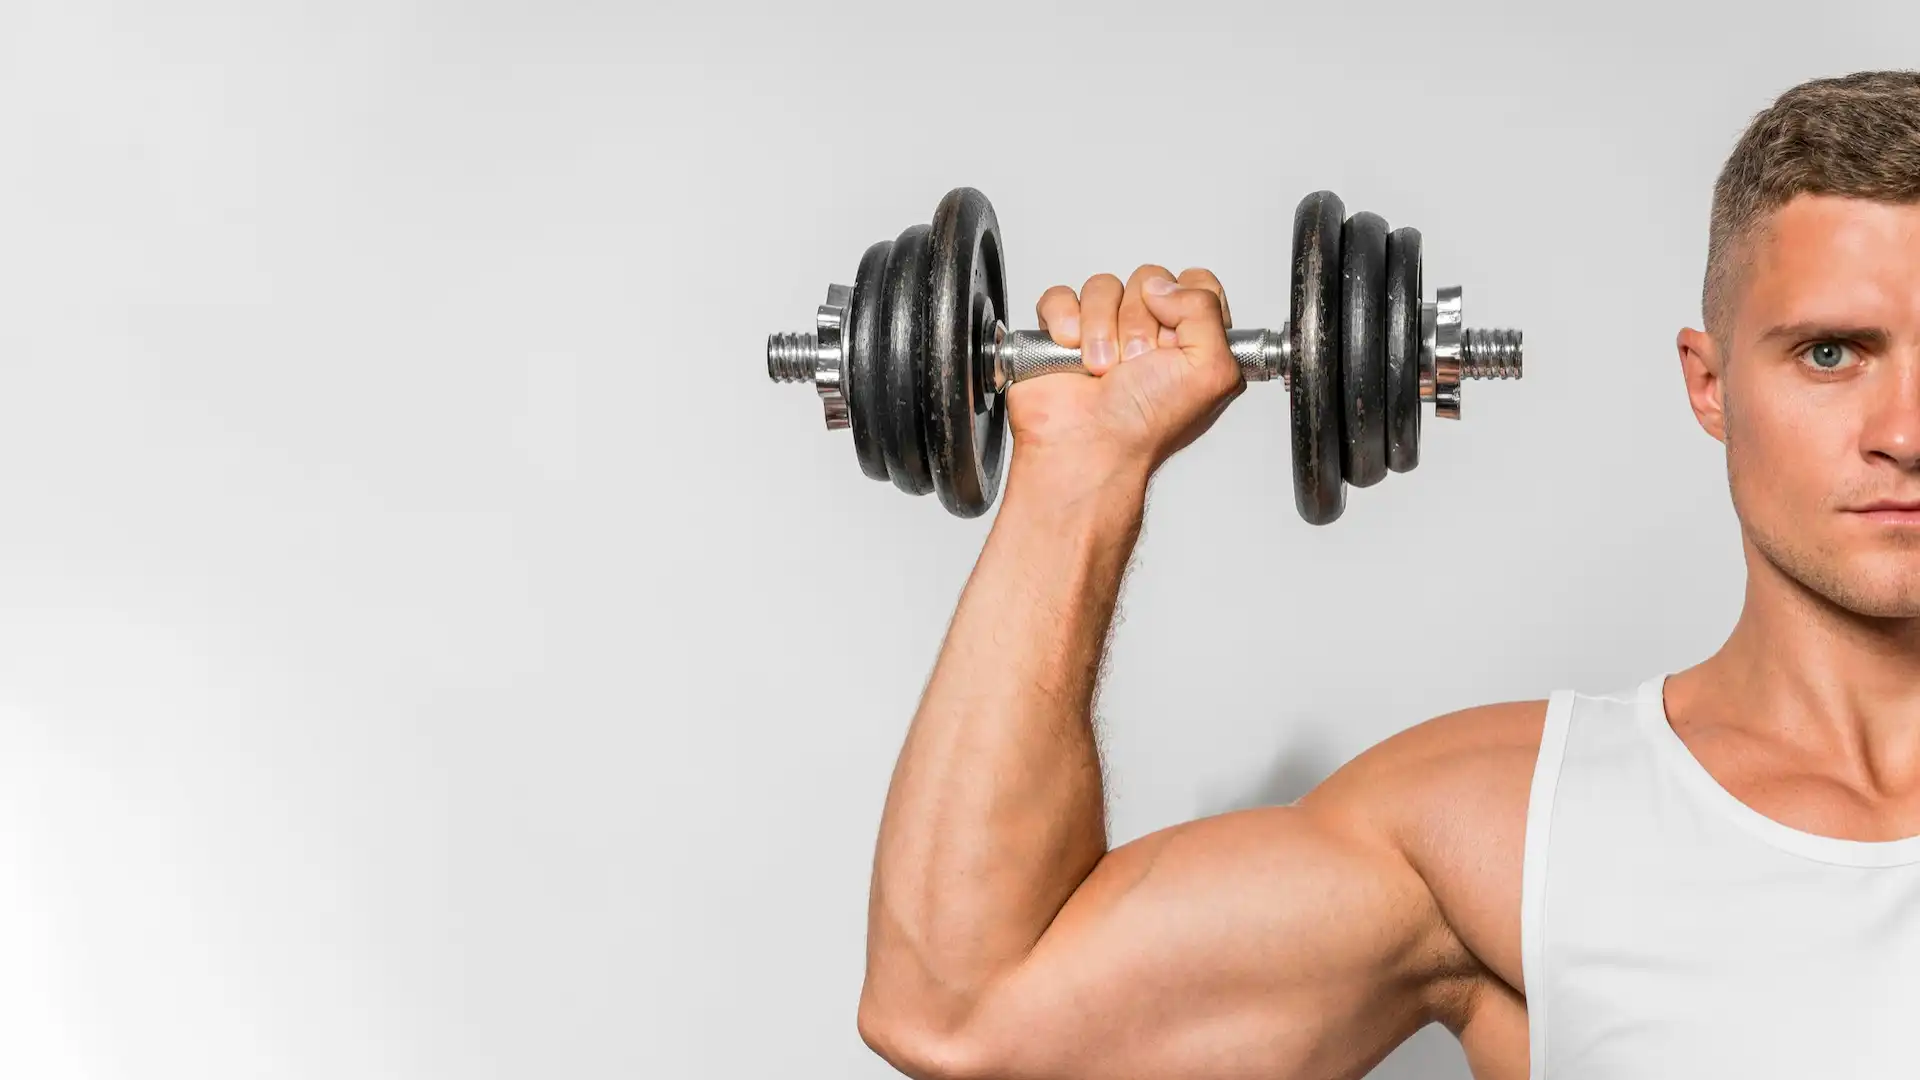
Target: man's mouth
<point>1891,511</point>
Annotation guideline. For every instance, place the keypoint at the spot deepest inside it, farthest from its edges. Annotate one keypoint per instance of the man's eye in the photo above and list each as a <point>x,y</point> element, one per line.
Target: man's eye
<point>1828,355</point>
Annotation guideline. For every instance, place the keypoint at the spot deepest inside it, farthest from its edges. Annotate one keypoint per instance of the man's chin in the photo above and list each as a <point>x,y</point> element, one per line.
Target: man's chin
<point>1861,571</point>
<point>1879,584</point>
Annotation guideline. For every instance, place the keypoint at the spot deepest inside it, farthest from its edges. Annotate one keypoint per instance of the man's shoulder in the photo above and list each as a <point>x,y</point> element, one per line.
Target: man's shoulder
<point>1450,796</point>
<point>1454,765</point>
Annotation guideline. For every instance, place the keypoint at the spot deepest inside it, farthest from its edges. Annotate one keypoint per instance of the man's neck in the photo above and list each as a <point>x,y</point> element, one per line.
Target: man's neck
<point>1801,669</point>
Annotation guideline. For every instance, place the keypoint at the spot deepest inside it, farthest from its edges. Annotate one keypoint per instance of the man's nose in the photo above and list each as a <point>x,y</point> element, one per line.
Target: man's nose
<point>1892,430</point>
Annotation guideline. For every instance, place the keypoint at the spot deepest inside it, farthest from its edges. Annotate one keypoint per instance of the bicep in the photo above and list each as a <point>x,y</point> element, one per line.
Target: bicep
<point>1264,943</point>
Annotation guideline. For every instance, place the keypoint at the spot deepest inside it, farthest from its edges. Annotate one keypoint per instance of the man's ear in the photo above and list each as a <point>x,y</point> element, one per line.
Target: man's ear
<point>1704,369</point>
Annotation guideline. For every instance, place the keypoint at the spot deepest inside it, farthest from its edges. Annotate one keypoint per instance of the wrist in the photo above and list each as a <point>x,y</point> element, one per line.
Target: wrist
<point>1080,485</point>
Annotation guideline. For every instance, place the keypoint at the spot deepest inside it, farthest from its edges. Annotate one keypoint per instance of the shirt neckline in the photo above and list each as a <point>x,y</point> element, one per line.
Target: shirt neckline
<point>1652,711</point>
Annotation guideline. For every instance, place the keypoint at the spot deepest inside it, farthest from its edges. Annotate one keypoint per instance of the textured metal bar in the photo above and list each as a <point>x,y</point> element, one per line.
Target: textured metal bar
<point>1025,354</point>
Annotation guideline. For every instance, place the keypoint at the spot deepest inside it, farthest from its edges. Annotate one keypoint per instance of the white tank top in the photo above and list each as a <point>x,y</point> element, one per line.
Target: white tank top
<point>1669,930</point>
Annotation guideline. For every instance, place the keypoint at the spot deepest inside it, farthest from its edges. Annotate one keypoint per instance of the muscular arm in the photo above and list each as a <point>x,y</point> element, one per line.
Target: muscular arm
<point>996,813</point>
<point>1007,941</point>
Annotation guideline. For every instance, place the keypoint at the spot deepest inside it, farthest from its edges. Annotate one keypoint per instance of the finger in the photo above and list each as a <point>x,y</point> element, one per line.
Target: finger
<point>1195,315</point>
<point>1059,311</point>
<point>1197,318</point>
<point>1139,330</point>
<point>1195,277</point>
<point>1099,322</point>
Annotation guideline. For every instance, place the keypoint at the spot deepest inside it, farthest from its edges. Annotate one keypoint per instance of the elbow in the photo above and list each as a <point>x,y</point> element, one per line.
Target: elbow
<point>922,1049</point>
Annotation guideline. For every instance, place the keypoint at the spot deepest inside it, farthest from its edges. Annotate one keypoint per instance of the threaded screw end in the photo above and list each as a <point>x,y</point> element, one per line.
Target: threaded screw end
<point>792,357</point>
<point>1490,354</point>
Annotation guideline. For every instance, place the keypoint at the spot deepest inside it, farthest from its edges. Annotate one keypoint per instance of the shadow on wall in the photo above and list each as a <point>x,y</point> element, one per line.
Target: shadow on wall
<point>1432,1053</point>
<point>1300,768</point>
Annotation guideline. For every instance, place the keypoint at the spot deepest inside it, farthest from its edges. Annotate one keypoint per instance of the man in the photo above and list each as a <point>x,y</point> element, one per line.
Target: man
<point>1711,874</point>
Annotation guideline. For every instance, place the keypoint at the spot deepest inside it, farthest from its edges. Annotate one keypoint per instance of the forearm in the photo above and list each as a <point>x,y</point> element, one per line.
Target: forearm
<point>996,811</point>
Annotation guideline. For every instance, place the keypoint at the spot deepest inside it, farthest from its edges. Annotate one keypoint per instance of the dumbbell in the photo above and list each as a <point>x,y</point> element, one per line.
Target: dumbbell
<point>915,357</point>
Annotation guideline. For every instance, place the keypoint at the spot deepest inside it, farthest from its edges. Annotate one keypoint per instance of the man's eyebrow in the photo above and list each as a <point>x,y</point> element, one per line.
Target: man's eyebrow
<point>1873,337</point>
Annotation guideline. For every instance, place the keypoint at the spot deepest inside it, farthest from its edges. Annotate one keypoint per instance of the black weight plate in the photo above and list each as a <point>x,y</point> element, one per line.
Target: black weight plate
<point>864,375</point>
<point>903,315</point>
<point>1314,386</point>
<point>1404,289</point>
<point>966,291</point>
<point>1363,354</point>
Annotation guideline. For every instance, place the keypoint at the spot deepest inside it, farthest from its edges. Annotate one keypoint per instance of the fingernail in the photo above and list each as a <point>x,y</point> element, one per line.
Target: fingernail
<point>1135,347</point>
<point>1069,327</point>
<point>1099,354</point>
<point>1159,286</point>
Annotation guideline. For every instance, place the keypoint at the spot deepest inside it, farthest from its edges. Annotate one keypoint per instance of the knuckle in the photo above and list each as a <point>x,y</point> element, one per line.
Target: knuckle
<point>1102,285</point>
<point>1057,299</point>
<point>1199,277</point>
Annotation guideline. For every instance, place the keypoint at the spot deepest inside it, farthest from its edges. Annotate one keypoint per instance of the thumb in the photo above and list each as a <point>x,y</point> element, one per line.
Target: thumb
<point>1194,315</point>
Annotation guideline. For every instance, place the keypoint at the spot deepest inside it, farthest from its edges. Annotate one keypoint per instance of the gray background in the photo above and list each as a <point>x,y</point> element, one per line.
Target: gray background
<point>429,647</point>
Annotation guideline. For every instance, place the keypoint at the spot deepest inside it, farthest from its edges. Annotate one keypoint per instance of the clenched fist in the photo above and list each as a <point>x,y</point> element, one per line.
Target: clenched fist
<point>1158,348</point>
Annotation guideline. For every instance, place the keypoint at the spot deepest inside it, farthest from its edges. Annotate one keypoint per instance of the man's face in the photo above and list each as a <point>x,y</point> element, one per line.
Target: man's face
<point>1818,399</point>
